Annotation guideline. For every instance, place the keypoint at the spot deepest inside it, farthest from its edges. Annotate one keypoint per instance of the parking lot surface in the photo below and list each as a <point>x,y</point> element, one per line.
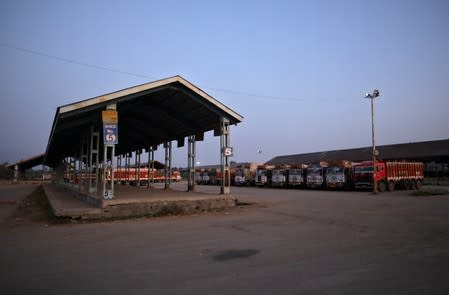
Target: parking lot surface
<point>276,241</point>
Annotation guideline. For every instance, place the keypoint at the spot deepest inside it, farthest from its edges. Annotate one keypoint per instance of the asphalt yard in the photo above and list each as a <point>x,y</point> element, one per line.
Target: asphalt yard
<point>275,241</point>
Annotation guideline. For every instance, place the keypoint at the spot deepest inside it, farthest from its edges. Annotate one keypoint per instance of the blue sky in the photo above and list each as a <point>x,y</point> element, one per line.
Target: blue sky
<point>306,64</point>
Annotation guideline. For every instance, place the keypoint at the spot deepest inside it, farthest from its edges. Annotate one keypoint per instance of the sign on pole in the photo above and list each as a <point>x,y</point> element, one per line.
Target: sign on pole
<point>110,127</point>
<point>228,152</point>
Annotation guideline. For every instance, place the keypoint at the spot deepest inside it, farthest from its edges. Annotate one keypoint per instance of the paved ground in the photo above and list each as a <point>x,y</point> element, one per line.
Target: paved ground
<point>290,242</point>
<point>10,196</point>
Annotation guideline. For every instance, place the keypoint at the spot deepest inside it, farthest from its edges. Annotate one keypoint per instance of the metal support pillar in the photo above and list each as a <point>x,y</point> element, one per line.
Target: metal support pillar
<point>122,163</point>
<point>62,172</point>
<point>372,96</point>
<point>127,163</point>
<point>374,148</point>
<point>83,163</point>
<point>108,171</point>
<point>64,168</point>
<point>138,152</point>
<point>191,163</point>
<point>225,145</point>
<point>167,169</point>
<point>77,172</point>
<point>110,121</point>
<point>16,173</point>
<point>93,170</point>
<point>70,171</point>
<point>150,166</point>
<point>134,173</point>
<point>119,167</point>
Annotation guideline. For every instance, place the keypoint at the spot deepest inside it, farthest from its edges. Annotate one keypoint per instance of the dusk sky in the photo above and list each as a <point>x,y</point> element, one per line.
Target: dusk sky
<point>297,71</point>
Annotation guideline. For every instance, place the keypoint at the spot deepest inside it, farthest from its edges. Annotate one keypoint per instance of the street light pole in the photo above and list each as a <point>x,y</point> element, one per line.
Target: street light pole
<point>372,97</point>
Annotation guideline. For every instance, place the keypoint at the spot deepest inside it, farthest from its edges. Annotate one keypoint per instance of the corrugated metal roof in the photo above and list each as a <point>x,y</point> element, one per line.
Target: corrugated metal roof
<point>28,163</point>
<point>148,115</point>
<point>425,151</point>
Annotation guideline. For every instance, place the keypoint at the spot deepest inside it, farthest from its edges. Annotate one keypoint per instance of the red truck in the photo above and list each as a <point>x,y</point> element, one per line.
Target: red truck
<point>135,176</point>
<point>389,175</point>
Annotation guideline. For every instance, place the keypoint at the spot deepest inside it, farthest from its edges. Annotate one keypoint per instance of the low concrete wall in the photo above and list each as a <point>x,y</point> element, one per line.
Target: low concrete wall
<point>160,208</point>
<point>85,197</point>
<point>63,203</point>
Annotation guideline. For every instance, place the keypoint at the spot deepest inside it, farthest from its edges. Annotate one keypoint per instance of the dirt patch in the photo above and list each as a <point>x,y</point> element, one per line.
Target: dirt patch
<point>244,205</point>
<point>235,254</point>
<point>34,208</point>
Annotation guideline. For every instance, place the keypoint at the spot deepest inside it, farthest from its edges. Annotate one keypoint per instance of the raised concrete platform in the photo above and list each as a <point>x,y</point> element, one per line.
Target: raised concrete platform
<point>133,202</point>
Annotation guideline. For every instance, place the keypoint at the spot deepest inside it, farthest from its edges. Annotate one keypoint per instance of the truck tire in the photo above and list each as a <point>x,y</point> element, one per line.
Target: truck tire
<point>407,184</point>
<point>391,185</point>
<point>381,186</point>
<point>413,184</point>
<point>418,184</point>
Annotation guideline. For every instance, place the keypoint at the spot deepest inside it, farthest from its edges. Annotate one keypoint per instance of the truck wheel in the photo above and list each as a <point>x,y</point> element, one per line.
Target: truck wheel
<point>418,184</point>
<point>407,185</point>
<point>381,186</point>
<point>391,186</point>
<point>413,185</point>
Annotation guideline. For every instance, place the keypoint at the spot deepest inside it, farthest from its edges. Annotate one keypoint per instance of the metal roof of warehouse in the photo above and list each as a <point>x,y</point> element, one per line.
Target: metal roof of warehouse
<point>423,151</point>
<point>149,114</point>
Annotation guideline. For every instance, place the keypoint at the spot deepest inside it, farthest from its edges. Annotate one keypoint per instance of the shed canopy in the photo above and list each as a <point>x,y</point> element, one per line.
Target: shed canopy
<point>148,115</point>
<point>28,163</point>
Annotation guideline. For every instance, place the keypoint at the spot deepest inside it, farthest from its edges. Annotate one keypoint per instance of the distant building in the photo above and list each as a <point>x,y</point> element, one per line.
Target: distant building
<point>435,155</point>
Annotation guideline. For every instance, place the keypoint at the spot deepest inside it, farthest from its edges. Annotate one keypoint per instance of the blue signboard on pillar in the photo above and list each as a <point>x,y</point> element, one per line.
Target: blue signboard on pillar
<point>110,132</point>
<point>110,127</point>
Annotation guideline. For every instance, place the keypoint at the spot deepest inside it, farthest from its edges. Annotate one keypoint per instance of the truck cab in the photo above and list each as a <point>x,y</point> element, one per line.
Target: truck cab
<point>240,176</point>
<point>279,177</point>
<point>205,177</point>
<point>202,176</point>
<point>339,175</point>
<point>316,175</point>
<point>363,175</point>
<point>263,175</point>
<point>296,177</point>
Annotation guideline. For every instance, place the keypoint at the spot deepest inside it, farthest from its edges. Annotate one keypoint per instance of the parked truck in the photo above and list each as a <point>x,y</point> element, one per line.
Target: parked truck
<point>215,176</point>
<point>297,175</point>
<point>202,176</point>
<point>136,176</point>
<point>389,175</point>
<point>279,176</point>
<point>263,175</point>
<point>339,175</point>
<point>245,174</point>
<point>316,175</point>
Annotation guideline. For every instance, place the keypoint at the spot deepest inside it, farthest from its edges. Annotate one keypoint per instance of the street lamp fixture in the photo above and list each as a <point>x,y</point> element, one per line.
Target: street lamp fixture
<point>372,96</point>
